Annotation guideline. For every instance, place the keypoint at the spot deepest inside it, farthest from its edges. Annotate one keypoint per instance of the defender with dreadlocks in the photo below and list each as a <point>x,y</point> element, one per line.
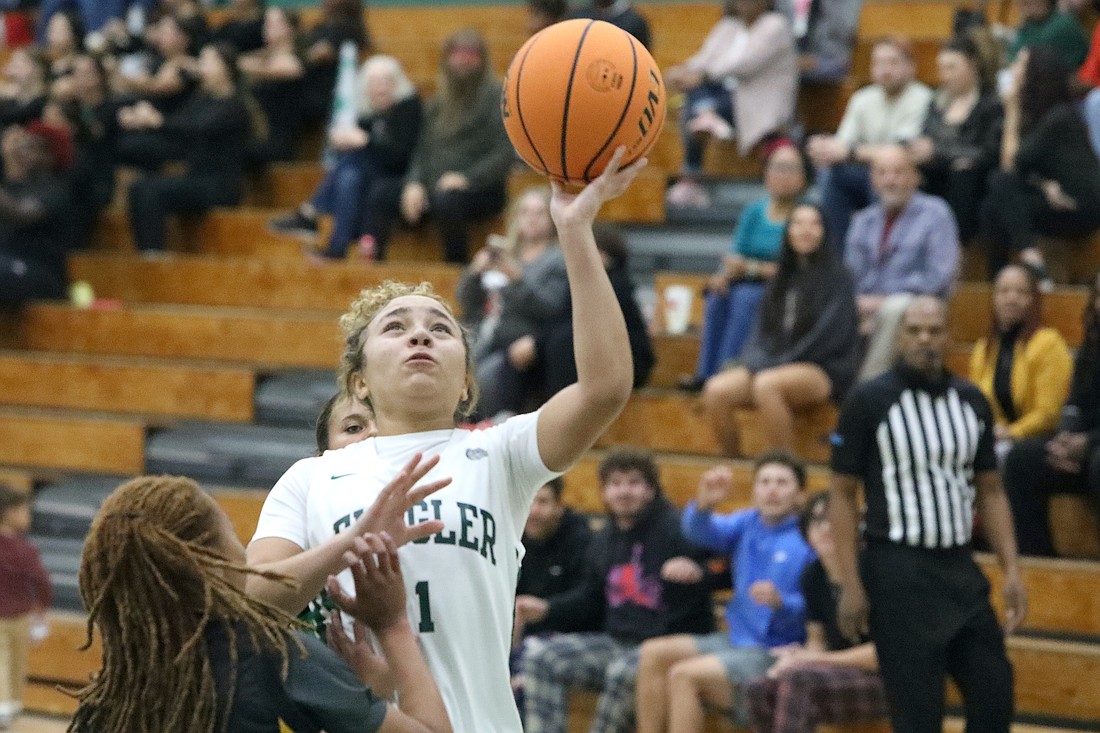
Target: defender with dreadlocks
<point>185,650</point>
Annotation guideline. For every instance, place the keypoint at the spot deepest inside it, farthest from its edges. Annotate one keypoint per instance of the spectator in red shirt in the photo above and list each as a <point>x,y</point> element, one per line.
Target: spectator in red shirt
<point>24,590</point>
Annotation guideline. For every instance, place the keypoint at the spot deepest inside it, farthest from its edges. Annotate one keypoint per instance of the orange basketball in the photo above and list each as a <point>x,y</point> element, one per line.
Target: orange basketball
<point>575,92</point>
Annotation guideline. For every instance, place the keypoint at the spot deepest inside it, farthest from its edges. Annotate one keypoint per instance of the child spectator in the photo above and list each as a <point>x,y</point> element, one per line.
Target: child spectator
<point>1022,368</point>
<point>961,139</point>
<point>511,292</point>
<point>905,244</point>
<point>678,675</point>
<point>375,152</point>
<point>213,127</point>
<point>642,578</point>
<point>276,76</point>
<point>554,347</point>
<point>804,347</point>
<point>171,78</point>
<point>1049,178</point>
<point>829,679</point>
<point>743,81</point>
<point>162,569</point>
<point>889,111</point>
<point>24,591</point>
<point>459,168</point>
<point>733,293</point>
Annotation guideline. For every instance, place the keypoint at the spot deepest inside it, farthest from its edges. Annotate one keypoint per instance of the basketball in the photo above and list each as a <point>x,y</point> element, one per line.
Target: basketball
<point>575,92</point>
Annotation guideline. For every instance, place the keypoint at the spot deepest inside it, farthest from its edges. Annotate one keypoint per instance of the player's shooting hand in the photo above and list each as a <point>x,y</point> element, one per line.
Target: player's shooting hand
<point>1015,595</point>
<point>681,570</point>
<point>765,593</point>
<point>379,600</point>
<point>580,209</point>
<point>387,513</point>
<point>852,612</point>
<point>370,666</point>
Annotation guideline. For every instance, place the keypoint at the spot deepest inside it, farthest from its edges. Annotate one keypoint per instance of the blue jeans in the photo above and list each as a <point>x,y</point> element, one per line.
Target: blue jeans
<point>341,194</point>
<point>845,189</point>
<point>727,320</point>
<point>707,96</point>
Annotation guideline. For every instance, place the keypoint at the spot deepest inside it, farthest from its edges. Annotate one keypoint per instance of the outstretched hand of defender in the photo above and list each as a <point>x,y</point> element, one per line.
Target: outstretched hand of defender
<point>570,209</point>
<point>379,600</point>
<point>387,513</point>
<point>370,666</point>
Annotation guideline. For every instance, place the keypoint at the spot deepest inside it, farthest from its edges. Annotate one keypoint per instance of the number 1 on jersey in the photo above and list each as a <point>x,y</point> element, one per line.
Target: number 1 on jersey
<point>426,623</point>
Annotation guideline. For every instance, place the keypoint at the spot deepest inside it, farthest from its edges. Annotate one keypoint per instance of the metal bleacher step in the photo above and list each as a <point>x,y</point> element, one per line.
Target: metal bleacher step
<point>728,197</point>
<point>61,556</point>
<point>234,455</point>
<point>293,398</point>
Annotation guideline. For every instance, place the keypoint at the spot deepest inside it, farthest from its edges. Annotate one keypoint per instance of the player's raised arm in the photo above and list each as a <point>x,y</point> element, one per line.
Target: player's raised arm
<point>572,420</point>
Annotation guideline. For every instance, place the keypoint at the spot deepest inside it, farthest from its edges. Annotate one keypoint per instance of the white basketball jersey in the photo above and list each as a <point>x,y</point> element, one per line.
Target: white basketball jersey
<point>461,582</point>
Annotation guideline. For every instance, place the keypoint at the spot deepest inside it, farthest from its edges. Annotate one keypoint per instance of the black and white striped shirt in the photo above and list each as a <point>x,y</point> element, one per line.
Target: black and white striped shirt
<point>916,445</point>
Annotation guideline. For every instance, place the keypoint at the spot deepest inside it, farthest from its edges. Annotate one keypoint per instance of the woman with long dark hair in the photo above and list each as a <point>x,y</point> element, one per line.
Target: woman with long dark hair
<point>1049,181</point>
<point>1022,368</point>
<point>804,348</point>
<point>1067,462</point>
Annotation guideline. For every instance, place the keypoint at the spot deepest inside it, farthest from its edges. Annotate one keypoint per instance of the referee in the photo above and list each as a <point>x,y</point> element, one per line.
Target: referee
<point>920,442</point>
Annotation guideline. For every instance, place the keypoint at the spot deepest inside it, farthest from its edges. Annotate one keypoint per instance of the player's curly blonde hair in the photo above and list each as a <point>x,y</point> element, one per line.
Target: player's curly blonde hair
<point>363,310</point>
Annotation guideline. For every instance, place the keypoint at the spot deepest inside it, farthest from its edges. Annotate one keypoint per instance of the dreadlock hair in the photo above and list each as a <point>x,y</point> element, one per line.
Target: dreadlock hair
<point>153,579</point>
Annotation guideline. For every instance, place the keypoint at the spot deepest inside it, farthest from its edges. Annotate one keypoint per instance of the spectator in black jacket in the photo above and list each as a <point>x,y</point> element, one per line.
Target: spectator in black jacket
<point>555,346</point>
<point>245,27</point>
<point>214,126</point>
<point>1049,180</point>
<point>961,139</point>
<point>276,77</point>
<point>1067,461</point>
<point>34,201</point>
<point>804,347</point>
<point>642,578</point>
<point>23,88</point>
<point>341,21</point>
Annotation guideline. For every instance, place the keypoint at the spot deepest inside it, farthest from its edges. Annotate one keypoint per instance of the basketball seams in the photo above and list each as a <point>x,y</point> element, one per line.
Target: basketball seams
<point>626,108</point>
<point>519,107</point>
<point>568,94</point>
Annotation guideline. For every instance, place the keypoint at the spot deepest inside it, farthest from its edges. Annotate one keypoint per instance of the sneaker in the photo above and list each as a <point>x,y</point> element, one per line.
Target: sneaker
<point>687,194</point>
<point>295,224</point>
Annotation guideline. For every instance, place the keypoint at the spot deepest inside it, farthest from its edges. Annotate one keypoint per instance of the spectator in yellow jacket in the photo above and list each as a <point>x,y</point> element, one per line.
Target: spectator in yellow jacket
<point>1023,369</point>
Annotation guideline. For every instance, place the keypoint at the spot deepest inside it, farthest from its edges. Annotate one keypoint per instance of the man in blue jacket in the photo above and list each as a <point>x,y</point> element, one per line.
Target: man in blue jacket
<point>679,676</point>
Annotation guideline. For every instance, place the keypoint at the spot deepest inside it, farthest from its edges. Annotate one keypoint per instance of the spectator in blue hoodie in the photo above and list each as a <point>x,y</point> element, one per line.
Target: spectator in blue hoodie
<point>642,579</point>
<point>680,676</point>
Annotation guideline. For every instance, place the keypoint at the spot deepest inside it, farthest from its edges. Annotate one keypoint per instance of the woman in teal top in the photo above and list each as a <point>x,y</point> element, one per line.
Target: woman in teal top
<point>733,293</point>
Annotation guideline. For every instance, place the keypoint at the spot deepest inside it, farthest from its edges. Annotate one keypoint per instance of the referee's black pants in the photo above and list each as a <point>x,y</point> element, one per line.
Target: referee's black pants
<point>930,618</point>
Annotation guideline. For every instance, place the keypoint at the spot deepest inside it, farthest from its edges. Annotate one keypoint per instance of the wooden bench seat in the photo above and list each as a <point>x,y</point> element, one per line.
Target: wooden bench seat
<point>67,441</point>
<point>142,386</point>
<point>248,282</point>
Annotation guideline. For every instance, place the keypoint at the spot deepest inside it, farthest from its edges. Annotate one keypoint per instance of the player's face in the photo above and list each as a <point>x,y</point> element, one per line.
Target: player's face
<point>414,358</point>
<point>545,516</point>
<point>627,494</point>
<point>775,492</point>
<point>1012,297</point>
<point>922,337</point>
<point>349,423</point>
